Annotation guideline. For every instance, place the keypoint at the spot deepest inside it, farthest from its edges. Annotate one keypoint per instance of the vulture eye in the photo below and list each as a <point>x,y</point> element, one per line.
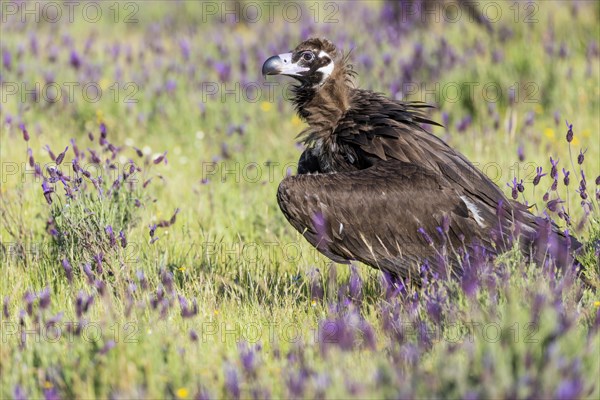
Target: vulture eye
<point>308,56</point>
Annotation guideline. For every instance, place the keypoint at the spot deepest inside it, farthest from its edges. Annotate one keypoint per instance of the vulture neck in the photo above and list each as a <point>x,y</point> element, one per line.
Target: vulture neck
<point>323,107</point>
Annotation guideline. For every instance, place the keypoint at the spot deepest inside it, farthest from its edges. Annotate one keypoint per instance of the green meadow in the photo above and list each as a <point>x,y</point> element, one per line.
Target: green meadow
<point>150,259</point>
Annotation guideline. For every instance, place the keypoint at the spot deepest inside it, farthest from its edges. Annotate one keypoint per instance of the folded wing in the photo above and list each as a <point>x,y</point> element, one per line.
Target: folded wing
<point>385,216</point>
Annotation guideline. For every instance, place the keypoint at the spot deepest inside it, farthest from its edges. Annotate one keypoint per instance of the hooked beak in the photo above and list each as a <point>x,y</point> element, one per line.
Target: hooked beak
<point>282,65</point>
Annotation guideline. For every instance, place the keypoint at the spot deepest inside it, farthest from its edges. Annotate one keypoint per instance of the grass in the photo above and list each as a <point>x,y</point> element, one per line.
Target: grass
<point>230,301</point>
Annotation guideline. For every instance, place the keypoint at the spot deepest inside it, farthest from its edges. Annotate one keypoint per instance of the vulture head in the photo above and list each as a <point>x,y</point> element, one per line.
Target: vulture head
<point>324,77</point>
<point>312,62</point>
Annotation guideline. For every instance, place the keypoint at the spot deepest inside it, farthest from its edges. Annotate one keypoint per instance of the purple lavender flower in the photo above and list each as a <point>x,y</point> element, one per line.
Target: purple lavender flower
<point>232,382</point>
<point>355,284</point>
<point>170,85</point>
<point>5,310</point>
<point>538,176</point>
<point>107,347</point>
<point>83,303</point>
<point>87,270</point>
<point>160,158</point>
<point>582,191</point>
<point>152,230</point>
<point>29,298</point>
<point>464,124</point>
<point>68,270</point>
<point>23,338</point>
<point>520,153</point>
<point>98,258</point>
<point>566,179</point>
<point>75,148</point>
<point>446,120</point>
<point>554,169</point>
<point>470,280</point>
<point>248,358</point>
<point>44,297</point>
<point>111,235</point>
<point>530,118</point>
<point>142,279</point>
<point>19,393</point>
<point>511,95</point>
<point>61,156</point>
<point>25,133</point>
<point>581,157</point>
<point>50,153</point>
<point>30,157</point>
<point>434,309</point>
<point>75,60</point>
<point>296,383</point>
<point>496,121</point>
<point>94,157</point>
<point>184,46</point>
<point>565,216</point>
<point>569,132</point>
<point>553,204</point>
<point>514,188</point>
<point>6,59</point>
<point>139,152</point>
<point>223,70</point>
<point>47,191</point>
<point>582,182</point>
<point>123,239</point>
<point>100,286</point>
<point>166,278</point>
<point>76,167</point>
<point>425,236</point>
<point>569,388</point>
<point>188,311</point>
<point>165,223</point>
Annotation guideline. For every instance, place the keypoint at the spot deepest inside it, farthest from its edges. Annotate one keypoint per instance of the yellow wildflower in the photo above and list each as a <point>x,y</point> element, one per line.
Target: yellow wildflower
<point>266,106</point>
<point>216,312</point>
<point>104,83</point>
<point>597,303</point>
<point>549,133</point>
<point>182,268</point>
<point>296,120</point>
<point>182,393</point>
<point>48,385</point>
<point>99,116</point>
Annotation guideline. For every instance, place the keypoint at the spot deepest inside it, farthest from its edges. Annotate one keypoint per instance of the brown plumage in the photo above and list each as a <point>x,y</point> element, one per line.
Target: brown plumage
<point>374,186</point>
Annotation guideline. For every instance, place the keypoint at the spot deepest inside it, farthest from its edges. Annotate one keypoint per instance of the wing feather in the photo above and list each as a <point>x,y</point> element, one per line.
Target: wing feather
<point>381,209</point>
<point>385,129</point>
